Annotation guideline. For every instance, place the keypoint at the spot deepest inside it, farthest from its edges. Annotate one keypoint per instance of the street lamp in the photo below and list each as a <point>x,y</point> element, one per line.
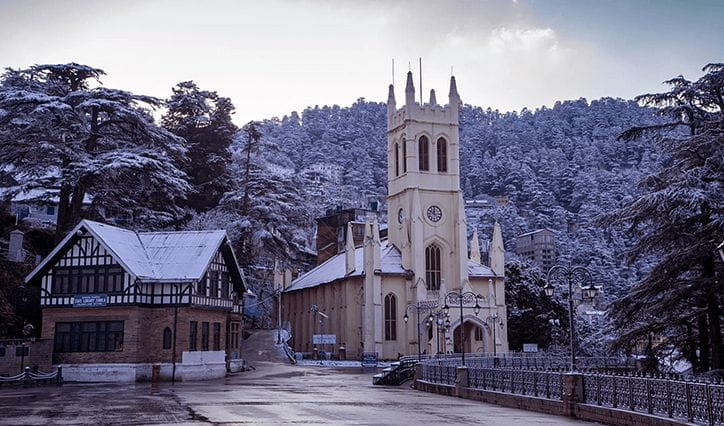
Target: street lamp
<point>461,299</point>
<point>418,307</point>
<point>582,278</point>
<point>495,319</point>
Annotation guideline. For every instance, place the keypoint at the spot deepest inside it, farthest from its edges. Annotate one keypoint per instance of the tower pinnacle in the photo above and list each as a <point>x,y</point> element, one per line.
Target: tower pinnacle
<point>409,90</point>
<point>453,95</point>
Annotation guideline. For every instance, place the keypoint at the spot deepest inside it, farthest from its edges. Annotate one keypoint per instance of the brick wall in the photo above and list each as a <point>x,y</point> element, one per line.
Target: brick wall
<point>142,332</point>
<point>39,355</point>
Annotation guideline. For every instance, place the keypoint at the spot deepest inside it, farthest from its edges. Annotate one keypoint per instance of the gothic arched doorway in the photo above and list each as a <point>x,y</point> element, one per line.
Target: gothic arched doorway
<point>473,338</point>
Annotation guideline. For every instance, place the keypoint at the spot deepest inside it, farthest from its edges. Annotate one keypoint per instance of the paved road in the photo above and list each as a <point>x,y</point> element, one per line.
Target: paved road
<point>273,394</point>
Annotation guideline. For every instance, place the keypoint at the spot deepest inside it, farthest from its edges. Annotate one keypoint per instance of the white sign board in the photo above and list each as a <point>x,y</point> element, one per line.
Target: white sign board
<point>530,347</point>
<point>324,339</point>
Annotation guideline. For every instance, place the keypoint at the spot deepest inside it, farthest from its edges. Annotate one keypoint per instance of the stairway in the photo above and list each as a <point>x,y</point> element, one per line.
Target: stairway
<point>397,373</point>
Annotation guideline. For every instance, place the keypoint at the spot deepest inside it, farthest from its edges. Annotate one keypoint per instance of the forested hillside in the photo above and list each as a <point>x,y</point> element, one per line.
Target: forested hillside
<point>560,167</point>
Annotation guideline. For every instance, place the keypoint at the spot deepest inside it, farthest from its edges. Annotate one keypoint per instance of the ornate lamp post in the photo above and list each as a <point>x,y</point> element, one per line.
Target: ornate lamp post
<point>582,278</point>
<point>461,299</point>
<point>495,319</point>
<point>417,308</point>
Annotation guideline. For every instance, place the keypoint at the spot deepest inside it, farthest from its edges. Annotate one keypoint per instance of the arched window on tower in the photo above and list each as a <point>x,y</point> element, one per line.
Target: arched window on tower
<point>404,155</point>
<point>424,153</point>
<point>442,155</point>
<point>433,270</point>
<point>390,317</point>
<point>397,160</point>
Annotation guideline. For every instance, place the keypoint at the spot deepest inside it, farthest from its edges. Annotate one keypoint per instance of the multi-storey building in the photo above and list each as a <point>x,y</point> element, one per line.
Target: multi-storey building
<point>115,302</point>
<point>539,246</point>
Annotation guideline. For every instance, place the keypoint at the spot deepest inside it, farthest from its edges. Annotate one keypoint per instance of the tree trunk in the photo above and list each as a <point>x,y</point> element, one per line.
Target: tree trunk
<point>713,311</point>
<point>61,227</point>
<point>703,326</point>
<point>689,349</point>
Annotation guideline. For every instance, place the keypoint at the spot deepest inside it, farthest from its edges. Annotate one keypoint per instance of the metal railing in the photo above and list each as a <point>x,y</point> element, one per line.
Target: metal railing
<point>30,377</point>
<point>536,362</point>
<point>697,402</point>
<point>542,384</point>
<point>439,373</point>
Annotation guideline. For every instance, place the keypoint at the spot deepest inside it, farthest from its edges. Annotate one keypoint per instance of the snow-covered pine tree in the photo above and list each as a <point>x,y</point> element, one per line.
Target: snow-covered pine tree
<point>203,118</point>
<point>678,220</point>
<point>57,132</point>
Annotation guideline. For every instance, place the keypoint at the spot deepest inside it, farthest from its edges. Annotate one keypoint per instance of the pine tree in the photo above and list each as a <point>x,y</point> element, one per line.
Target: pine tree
<point>203,118</point>
<point>58,132</point>
<point>678,220</point>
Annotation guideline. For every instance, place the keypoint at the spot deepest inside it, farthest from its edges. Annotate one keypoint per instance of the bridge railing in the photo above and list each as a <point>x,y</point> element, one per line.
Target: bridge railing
<point>697,402</point>
<point>535,362</point>
<point>692,401</point>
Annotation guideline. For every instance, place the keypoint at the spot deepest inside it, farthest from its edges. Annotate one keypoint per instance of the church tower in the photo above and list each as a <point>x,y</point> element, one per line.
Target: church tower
<point>425,205</point>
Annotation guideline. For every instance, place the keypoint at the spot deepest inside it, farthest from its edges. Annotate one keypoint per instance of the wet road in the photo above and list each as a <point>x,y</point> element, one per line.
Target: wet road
<point>273,394</point>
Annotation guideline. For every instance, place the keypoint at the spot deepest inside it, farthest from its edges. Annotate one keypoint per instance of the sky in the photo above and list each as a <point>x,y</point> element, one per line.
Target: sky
<point>272,57</point>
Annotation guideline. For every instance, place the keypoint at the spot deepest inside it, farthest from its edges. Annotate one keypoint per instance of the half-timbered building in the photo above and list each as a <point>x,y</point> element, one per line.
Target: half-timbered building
<point>116,302</point>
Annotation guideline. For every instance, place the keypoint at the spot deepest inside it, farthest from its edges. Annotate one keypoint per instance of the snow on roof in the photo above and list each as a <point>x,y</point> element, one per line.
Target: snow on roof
<point>151,256</point>
<point>334,268</point>
<point>537,231</point>
<point>181,255</point>
<point>478,270</point>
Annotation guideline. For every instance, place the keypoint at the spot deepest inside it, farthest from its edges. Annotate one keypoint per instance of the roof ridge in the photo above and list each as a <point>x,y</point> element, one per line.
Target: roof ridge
<point>145,252</point>
<point>207,231</point>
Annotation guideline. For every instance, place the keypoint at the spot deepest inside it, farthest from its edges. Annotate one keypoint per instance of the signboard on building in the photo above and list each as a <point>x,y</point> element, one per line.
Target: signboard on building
<point>90,300</point>
<point>369,359</point>
<point>324,339</point>
<point>530,347</point>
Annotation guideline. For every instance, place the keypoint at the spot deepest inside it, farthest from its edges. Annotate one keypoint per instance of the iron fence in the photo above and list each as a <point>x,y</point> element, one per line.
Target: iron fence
<point>439,373</point>
<point>697,402</point>
<point>537,363</point>
<point>542,384</point>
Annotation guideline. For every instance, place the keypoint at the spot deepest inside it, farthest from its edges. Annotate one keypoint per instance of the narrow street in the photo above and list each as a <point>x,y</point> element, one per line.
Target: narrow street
<point>272,394</point>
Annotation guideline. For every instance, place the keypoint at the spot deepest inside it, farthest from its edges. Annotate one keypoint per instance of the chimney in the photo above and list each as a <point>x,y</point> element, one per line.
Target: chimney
<point>15,248</point>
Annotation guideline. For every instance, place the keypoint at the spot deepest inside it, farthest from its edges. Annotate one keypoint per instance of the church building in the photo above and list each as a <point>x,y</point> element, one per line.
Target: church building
<point>388,295</point>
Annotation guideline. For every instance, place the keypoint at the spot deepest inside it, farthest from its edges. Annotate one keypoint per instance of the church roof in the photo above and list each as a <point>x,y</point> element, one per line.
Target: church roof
<point>477,270</point>
<point>390,264</point>
<point>334,268</point>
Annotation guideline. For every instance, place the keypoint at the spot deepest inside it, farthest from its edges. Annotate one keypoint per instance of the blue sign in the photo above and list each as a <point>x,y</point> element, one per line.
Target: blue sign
<point>369,359</point>
<point>90,300</point>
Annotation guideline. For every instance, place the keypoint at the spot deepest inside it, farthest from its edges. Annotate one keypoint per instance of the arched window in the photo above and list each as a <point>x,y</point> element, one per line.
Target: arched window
<point>167,338</point>
<point>390,317</point>
<point>397,160</point>
<point>404,155</point>
<point>424,153</point>
<point>433,270</point>
<point>441,155</point>
<point>478,334</point>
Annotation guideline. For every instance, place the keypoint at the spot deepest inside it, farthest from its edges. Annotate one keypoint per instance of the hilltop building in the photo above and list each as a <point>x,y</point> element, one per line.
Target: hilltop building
<point>539,246</point>
<point>115,302</point>
<point>364,292</point>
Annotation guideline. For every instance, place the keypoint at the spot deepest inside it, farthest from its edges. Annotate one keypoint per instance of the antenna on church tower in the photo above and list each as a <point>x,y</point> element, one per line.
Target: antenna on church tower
<point>393,71</point>
<point>421,102</point>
